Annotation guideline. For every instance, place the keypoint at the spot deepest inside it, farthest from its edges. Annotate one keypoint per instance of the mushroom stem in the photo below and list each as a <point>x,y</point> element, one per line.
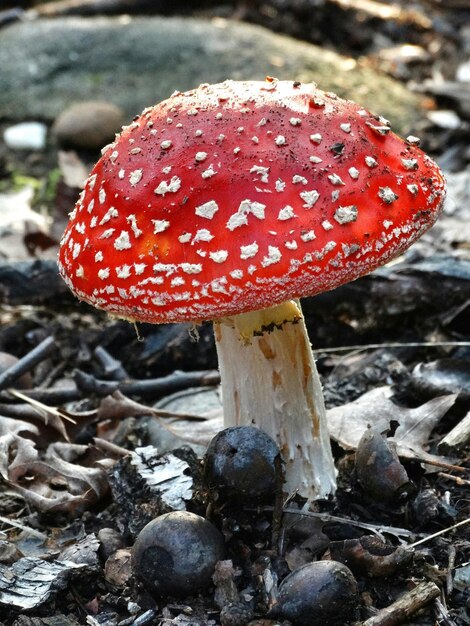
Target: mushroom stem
<point>269,379</point>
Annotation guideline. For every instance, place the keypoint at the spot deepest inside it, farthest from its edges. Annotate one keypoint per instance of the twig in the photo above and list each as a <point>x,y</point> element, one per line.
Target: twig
<point>50,396</point>
<point>462,482</point>
<point>376,346</point>
<point>27,529</point>
<point>42,408</point>
<point>450,567</point>
<point>20,411</point>
<point>378,529</point>
<point>26,363</point>
<point>110,448</point>
<point>112,367</point>
<point>404,607</point>
<point>171,383</point>
<point>439,533</point>
<point>424,458</point>
<point>326,517</point>
<point>87,385</point>
<point>442,614</point>
<point>47,378</point>
<point>152,387</point>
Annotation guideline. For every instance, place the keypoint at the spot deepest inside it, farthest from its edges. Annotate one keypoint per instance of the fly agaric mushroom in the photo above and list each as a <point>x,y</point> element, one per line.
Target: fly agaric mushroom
<point>231,201</point>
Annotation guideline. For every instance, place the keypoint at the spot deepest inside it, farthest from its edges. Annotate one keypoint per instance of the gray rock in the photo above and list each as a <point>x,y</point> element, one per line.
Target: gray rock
<point>133,63</point>
<point>90,125</point>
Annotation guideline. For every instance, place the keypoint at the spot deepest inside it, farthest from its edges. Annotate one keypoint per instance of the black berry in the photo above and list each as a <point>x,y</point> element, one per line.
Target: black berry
<point>175,554</point>
<point>241,462</point>
<point>324,592</point>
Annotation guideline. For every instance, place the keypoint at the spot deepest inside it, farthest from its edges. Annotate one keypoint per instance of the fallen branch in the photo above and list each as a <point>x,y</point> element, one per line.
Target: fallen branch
<point>408,604</point>
<point>442,614</point>
<point>86,385</point>
<point>28,362</point>
<point>144,388</point>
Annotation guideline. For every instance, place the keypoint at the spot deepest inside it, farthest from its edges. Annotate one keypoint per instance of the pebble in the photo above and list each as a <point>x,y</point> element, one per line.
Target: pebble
<point>110,541</point>
<point>445,118</point>
<point>9,553</point>
<point>26,136</point>
<point>117,569</point>
<point>236,614</point>
<point>133,608</point>
<point>88,125</point>
<point>463,72</point>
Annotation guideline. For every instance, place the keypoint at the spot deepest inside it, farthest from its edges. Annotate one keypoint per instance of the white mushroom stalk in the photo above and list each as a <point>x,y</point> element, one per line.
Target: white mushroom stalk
<point>269,380</point>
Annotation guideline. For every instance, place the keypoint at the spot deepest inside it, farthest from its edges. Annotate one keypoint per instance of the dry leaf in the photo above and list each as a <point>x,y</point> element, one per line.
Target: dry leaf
<point>50,483</point>
<point>348,423</point>
<point>199,433</point>
<point>9,425</point>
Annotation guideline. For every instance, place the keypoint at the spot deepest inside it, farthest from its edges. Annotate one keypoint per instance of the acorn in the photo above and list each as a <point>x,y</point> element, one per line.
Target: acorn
<point>323,592</point>
<point>240,463</point>
<point>175,554</point>
<point>379,470</point>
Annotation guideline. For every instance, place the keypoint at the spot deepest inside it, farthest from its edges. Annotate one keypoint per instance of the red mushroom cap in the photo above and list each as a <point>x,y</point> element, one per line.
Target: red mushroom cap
<point>239,196</point>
